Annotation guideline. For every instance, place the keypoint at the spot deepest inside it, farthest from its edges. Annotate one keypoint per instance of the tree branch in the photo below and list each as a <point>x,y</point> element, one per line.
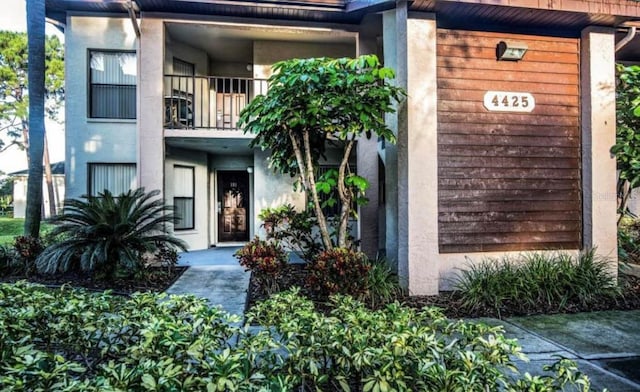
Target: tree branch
<point>346,197</point>
<point>311,179</point>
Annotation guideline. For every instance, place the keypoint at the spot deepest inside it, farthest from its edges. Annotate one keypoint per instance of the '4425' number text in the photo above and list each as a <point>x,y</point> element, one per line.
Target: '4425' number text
<point>503,101</point>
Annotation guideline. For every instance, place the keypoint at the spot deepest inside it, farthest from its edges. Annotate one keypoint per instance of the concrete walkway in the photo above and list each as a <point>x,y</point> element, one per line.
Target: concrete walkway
<point>606,345</point>
<point>214,274</point>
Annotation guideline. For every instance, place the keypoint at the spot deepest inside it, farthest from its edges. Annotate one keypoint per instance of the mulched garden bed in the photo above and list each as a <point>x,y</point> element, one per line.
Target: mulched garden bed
<point>157,279</point>
<point>451,303</point>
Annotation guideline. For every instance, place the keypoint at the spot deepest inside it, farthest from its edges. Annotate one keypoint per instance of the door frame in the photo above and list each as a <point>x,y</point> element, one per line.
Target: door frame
<point>216,211</point>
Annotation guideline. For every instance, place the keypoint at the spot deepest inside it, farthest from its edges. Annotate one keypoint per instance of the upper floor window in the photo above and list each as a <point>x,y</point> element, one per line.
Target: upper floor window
<point>181,67</point>
<point>112,84</point>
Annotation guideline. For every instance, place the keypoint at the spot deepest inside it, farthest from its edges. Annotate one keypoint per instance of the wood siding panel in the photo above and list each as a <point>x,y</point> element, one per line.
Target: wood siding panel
<point>478,95</point>
<point>508,181</point>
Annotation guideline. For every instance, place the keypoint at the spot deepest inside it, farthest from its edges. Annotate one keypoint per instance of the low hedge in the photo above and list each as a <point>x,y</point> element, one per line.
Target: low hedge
<point>70,340</point>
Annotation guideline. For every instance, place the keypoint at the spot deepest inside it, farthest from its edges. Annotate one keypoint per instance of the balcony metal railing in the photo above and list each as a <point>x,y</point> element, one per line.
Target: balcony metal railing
<point>207,102</point>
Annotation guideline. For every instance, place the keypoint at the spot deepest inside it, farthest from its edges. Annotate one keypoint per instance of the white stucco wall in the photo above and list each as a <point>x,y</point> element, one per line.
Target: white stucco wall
<point>198,237</point>
<point>151,104</point>
<point>230,69</point>
<point>271,190</point>
<point>266,53</point>
<point>598,84</point>
<point>20,195</point>
<point>92,140</point>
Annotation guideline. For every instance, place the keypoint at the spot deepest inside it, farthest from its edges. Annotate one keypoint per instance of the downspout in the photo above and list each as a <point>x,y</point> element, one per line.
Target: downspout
<point>631,33</point>
<point>132,7</point>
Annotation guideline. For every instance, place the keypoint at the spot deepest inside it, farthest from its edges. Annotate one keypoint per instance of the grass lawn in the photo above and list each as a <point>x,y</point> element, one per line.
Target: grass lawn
<point>12,227</point>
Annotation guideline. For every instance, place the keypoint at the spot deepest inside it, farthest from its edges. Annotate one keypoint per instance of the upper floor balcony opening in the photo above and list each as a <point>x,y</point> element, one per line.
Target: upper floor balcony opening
<point>208,102</point>
<point>240,58</point>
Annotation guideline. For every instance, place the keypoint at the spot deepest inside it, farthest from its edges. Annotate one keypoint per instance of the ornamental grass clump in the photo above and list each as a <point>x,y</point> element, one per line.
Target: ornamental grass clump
<point>536,283</point>
<point>266,260</point>
<point>383,286</point>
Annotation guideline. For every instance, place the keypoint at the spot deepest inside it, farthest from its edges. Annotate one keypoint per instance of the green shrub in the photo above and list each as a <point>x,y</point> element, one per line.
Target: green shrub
<point>295,230</point>
<point>392,349</point>
<point>27,250</point>
<point>70,340</point>
<point>266,261</point>
<point>629,240</point>
<point>7,258</point>
<point>339,270</point>
<point>535,281</point>
<point>109,233</point>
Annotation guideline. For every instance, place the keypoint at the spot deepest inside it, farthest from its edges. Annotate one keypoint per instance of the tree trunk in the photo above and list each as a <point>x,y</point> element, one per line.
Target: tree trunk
<point>36,50</point>
<point>624,192</point>
<point>311,179</point>
<point>346,198</point>
<point>308,182</point>
<point>49,179</point>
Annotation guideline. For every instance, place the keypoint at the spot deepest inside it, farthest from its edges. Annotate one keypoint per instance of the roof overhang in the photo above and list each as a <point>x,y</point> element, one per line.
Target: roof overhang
<point>549,18</point>
<point>333,11</point>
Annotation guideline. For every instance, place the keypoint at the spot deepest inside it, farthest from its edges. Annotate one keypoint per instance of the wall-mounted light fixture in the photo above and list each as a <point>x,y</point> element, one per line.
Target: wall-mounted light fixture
<point>249,169</point>
<point>511,50</point>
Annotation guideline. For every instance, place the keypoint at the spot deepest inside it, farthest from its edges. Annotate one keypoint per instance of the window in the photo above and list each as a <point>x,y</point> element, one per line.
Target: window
<point>179,104</point>
<point>183,68</point>
<point>183,189</point>
<point>112,84</point>
<point>114,177</point>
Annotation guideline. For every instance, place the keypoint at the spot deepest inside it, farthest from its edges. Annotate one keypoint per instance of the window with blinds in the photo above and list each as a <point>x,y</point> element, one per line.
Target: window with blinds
<point>117,178</point>
<point>112,84</point>
<point>183,68</point>
<point>183,197</point>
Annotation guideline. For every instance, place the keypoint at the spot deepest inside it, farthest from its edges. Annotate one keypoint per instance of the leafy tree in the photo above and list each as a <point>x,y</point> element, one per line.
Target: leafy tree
<point>311,103</point>
<point>109,232</point>
<point>627,147</point>
<point>14,102</point>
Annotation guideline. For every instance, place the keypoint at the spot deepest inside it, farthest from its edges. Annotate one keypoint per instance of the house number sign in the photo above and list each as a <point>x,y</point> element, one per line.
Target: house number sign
<point>505,101</point>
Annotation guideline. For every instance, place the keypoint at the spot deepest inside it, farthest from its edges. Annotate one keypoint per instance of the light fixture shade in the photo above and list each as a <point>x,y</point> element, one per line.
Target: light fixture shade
<point>511,50</point>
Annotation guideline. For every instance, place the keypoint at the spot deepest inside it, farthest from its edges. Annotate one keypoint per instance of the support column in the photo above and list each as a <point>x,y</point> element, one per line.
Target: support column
<point>367,166</point>
<point>416,175</point>
<point>389,153</point>
<point>150,105</point>
<point>418,157</point>
<point>598,135</point>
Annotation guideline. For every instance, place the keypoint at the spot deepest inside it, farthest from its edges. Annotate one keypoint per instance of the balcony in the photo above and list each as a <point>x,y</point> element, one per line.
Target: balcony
<point>207,102</point>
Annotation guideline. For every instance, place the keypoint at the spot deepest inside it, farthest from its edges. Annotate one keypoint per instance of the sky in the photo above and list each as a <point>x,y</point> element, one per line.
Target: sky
<point>13,17</point>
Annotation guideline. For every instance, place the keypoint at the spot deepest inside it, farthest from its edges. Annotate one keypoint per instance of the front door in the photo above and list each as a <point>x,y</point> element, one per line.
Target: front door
<point>233,206</point>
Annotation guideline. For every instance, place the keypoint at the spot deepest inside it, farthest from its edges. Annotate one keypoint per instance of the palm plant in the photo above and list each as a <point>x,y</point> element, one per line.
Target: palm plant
<point>109,233</point>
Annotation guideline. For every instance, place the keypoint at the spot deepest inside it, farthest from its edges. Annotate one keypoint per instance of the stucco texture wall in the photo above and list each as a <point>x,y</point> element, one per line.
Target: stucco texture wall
<point>266,53</point>
<point>93,140</point>
<point>198,237</point>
